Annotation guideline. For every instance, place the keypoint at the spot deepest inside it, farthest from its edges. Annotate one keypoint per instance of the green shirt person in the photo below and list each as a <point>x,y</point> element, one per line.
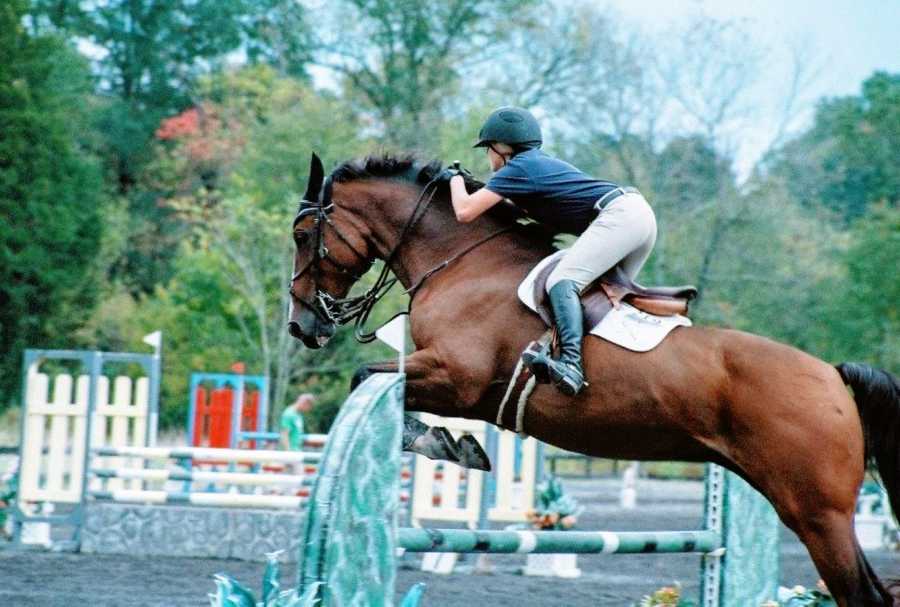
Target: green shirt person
<point>292,426</point>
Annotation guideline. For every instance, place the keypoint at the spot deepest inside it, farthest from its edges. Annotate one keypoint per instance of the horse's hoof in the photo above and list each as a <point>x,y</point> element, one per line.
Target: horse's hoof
<point>472,455</point>
<point>437,443</point>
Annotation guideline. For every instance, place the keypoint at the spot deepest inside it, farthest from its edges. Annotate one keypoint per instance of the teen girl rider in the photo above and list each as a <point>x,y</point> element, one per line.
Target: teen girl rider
<point>615,225</point>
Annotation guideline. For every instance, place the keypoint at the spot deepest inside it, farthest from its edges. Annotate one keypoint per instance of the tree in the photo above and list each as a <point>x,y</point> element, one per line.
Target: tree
<point>848,160</point>
<point>51,194</point>
<point>863,322</point>
<point>402,59</point>
<point>147,56</point>
<point>228,298</point>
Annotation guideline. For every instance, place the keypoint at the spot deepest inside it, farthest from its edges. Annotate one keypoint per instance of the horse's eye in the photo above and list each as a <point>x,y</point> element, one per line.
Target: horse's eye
<point>300,238</point>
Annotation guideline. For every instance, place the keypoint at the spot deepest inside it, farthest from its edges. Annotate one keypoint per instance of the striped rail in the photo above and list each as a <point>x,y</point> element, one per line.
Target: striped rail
<point>550,542</point>
<point>297,483</point>
<point>208,453</point>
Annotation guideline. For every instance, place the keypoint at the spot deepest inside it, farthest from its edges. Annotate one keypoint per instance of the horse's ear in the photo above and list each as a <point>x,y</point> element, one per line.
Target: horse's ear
<point>316,175</point>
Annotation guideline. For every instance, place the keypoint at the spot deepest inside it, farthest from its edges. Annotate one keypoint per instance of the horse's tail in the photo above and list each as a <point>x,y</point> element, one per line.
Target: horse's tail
<point>877,395</point>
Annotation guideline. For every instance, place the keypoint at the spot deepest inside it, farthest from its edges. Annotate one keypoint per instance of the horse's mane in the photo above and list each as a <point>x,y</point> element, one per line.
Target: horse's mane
<point>409,169</point>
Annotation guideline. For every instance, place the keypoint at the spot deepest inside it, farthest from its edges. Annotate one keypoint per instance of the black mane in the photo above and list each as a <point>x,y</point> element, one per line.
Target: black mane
<point>386,166</point>
<point>408,168</point>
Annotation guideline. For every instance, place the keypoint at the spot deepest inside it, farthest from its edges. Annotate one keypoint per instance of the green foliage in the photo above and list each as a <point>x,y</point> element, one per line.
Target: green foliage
<point>400,60</point>
<point>148,56</point>
<point>801,597</point>
<point>230,593</point>
<point>51,195</point>
<point>225,300</point>
<point>848,159</point>
<point>9,488</point>
<point>863,322</point>
<point>205,162</point>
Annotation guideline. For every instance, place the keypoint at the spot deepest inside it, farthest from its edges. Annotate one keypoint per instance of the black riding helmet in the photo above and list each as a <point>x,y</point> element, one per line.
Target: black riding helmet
<point>514,126</point>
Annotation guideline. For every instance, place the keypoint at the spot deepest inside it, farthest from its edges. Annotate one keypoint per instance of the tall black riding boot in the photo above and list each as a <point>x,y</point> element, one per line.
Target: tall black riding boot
<point>566,371</point>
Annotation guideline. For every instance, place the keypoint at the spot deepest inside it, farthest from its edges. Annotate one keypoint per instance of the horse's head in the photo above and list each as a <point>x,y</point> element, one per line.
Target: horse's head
<point>327,263</point>
<point>383,211</point>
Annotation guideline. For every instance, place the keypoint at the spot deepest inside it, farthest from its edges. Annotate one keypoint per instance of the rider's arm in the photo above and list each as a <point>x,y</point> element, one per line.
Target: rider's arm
<point>469,206</point>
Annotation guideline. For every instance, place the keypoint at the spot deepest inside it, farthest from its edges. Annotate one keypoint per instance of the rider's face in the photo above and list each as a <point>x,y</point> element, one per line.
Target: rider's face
<point>497,161</point>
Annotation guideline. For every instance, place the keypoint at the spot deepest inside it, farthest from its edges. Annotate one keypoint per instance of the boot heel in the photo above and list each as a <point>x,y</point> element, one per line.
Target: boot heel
<point>567,380</point>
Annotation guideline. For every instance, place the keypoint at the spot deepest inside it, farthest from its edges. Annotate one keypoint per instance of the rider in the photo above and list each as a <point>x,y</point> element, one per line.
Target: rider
<point>615,225</point>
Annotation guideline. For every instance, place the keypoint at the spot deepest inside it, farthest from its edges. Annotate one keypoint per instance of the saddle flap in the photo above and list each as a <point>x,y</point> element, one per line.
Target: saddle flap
<point>594,300</point>
<point>614,287</point>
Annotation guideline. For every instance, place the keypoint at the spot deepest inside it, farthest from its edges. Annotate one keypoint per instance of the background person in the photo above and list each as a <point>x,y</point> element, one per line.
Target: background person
<point>292,424</point>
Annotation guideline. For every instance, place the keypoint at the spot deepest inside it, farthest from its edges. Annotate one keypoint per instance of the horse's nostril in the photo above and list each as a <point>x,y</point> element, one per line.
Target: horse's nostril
<point>294,329</point>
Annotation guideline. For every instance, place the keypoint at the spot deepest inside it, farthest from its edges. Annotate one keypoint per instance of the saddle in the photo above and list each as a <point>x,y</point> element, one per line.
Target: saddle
<point>610,290</point>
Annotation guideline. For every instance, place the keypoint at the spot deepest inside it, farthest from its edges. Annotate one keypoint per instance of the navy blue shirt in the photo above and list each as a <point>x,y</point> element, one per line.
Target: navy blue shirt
<point>550,190</point>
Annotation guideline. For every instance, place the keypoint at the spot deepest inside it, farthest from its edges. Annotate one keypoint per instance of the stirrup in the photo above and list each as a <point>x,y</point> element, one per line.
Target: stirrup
<point>537,358</point>
<point>568,378</point>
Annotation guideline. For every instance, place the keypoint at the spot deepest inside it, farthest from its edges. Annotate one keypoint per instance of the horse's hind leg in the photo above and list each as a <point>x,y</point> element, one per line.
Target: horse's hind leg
<point>828,535</point>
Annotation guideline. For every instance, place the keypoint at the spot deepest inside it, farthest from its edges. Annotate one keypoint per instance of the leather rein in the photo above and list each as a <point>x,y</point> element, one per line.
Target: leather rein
<point>340,311</point>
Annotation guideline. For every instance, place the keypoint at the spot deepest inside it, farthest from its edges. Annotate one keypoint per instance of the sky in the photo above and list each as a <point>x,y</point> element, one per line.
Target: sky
<point>848,41</point>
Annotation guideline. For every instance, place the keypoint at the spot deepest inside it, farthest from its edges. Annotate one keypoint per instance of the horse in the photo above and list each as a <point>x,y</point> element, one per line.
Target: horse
<point>780,418</point>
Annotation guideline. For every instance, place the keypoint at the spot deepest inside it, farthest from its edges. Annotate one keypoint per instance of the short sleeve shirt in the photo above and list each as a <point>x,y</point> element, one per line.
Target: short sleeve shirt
<point>292,421</point>
<point>550,190</point>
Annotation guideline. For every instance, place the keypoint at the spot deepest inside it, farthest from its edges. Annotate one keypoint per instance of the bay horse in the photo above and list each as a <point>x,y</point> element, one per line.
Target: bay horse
<point>780,418</point>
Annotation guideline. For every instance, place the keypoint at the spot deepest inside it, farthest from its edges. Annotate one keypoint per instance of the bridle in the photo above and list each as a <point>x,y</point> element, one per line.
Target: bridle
<point>340,311</point>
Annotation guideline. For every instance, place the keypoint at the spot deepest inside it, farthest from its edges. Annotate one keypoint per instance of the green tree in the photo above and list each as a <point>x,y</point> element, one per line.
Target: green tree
<point>862,322</point>
<point>147,56</point>
<point>51,194</point>
<point>848,159</point>
<point>227,299</point>
<point>402,60</point>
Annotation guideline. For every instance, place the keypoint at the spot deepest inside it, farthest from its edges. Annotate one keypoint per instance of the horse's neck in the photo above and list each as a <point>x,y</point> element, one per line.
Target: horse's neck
<point>436,237</point>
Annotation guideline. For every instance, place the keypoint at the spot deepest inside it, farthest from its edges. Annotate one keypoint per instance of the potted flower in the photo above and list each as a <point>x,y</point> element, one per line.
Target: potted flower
<point>554,511</point>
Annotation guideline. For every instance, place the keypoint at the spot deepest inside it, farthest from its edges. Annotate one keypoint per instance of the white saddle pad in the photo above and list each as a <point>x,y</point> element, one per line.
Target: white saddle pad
<point>625,326</point>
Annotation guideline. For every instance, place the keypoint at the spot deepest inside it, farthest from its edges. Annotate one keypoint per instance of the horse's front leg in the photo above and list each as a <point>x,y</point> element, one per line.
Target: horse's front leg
<point>427,383</point>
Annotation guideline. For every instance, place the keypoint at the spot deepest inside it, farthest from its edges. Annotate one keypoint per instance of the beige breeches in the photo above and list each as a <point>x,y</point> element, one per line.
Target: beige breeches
<point>623,233</point>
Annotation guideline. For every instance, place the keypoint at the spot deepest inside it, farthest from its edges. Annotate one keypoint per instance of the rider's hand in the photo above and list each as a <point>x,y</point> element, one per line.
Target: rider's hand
<point>452,171</point>
<point>447,174</point>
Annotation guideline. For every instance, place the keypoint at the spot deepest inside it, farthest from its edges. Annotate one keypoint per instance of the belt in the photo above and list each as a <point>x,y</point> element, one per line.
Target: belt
<point>612,195</point>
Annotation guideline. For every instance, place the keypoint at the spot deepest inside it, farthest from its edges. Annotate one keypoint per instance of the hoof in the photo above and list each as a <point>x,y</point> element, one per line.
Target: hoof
<point>437,443</point>
<point>472,455</point>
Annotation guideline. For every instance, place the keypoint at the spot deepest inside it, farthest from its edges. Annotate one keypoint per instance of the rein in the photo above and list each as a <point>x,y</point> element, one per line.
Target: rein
<point>340,311</point>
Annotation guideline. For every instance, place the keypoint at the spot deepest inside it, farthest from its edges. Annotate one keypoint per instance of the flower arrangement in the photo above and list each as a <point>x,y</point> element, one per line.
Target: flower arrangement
<point>9,486</point>
<point>667,596</point>
<point>799,596</point>
<point>554,511</point>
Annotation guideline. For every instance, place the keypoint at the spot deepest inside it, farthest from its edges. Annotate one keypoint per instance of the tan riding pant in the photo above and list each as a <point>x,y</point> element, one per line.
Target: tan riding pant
<point>623,233</point>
